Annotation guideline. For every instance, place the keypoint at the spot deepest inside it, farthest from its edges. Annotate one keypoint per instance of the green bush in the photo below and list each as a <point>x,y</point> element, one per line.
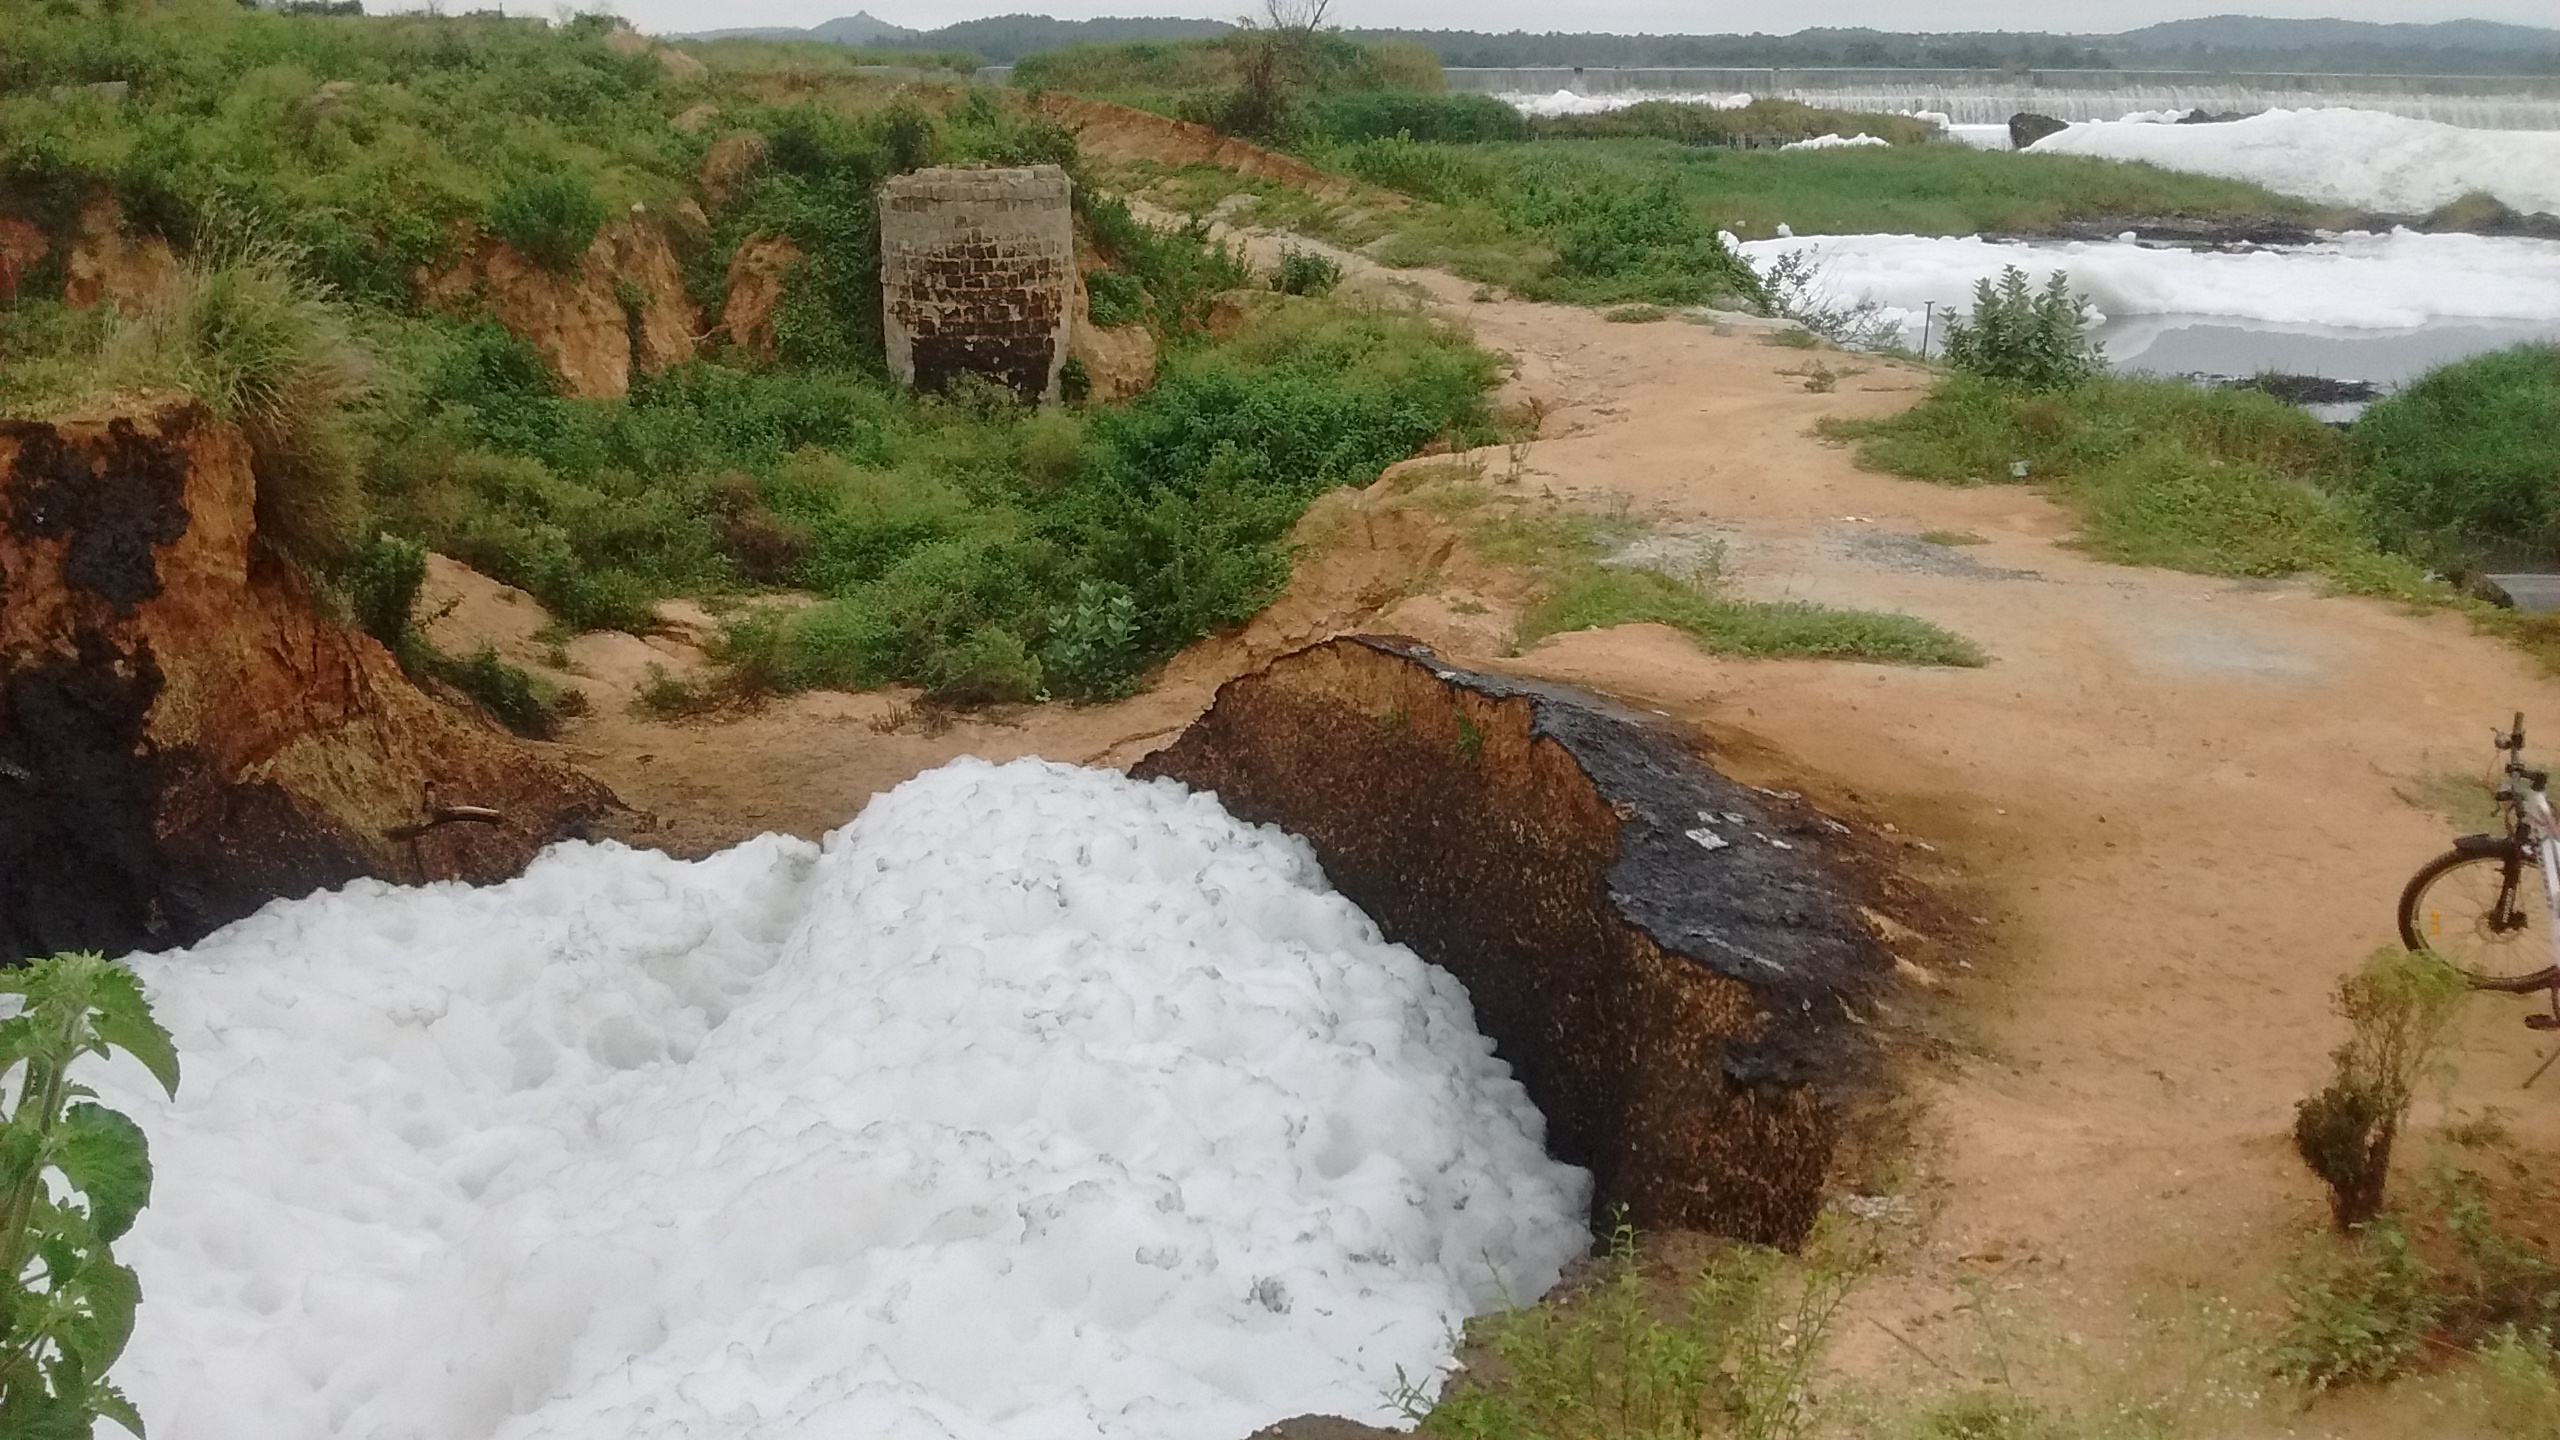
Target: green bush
<point>1444,119</point>
<point>1305,272</point>
<point>2465,462</point>
<point>2034,340</point>
<point>73,1176</point>
<point>382,580</point>
<point>2161,472</point>
<point>548,219</point>
<point>1114,299</point>
<point>520,702</point>
<point>1609,595</point>
<point>1760,121</point>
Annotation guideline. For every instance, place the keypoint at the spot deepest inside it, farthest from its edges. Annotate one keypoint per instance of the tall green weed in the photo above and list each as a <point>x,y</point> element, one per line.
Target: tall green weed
<point>73,1176</point>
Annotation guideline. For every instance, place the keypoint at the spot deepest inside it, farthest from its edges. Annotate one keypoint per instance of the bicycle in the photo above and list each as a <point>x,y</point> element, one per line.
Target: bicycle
<point>2469,906</point>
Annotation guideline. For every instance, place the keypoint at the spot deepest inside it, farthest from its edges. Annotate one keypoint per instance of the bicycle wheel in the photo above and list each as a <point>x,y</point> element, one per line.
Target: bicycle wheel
<point>2482,914</point>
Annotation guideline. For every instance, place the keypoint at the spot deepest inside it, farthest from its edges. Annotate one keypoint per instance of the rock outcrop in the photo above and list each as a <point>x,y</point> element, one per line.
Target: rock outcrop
<point>182,739</point>
<point>581,322</point>
<point>1663,955</point>
<point>2027,127</point>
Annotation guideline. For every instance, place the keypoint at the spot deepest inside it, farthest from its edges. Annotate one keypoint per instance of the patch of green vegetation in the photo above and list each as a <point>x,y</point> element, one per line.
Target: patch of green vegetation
<point>988,554</point>
<point>2460,796</point>
<point>1569,552</point>
<point>549,219</point>
<point>1636,315</point>
<point>1306,272</point>
<point>364,140</point>
<point>524,704</point>
<point>1950,537</point>
<point>1732,1356</point>
<point>2464,464</point>
<point>1607,595</point>
<point>2221,482</point>
<point>1762,122</point>
<point>1257,82</point>
<point>1379,114</point>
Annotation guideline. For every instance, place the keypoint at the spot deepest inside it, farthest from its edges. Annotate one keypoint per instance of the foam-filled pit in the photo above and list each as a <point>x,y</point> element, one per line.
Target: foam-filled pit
<point>1665,956</point>
<point>1036,1102</point>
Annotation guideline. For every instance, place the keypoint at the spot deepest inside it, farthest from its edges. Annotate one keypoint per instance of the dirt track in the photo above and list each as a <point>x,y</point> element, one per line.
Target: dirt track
<point>2178,801</point>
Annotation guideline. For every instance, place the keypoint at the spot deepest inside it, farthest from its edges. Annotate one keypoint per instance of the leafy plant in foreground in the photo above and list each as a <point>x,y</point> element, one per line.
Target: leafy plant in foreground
<point>66,1306</point>
<point>2038,340</point>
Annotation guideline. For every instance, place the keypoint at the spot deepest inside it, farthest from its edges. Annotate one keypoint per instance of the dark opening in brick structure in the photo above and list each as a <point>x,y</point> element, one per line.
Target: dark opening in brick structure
<point>976,270</point>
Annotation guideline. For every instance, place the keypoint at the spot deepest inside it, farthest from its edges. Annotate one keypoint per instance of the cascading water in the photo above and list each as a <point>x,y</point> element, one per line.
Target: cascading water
<point>1987,97</point>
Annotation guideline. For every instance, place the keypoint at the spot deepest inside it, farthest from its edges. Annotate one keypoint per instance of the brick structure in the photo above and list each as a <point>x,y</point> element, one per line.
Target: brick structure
<point>976,271</point>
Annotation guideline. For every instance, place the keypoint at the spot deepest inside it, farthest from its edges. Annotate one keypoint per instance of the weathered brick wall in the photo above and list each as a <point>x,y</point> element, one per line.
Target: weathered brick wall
<point>976,267</point>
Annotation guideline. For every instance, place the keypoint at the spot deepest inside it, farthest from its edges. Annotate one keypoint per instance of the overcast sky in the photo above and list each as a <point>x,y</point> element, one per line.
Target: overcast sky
<point>1623,16</point>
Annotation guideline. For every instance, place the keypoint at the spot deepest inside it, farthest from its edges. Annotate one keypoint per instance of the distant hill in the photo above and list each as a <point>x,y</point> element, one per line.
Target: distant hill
<point>2226,42</point>
<point>2253,32</point>
<point>1001,40</point>
<point>2218,42</point>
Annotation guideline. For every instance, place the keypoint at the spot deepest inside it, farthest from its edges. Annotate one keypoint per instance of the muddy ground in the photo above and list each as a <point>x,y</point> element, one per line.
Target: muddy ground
<point>2181,807</point>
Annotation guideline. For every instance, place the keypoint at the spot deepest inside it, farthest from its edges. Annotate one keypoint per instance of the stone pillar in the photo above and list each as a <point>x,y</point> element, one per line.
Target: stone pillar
<point>976,271</point>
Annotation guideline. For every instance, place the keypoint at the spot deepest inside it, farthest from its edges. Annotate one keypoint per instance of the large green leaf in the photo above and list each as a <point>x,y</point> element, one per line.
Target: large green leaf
<point>124,1021</point>
<point>107,1159</point>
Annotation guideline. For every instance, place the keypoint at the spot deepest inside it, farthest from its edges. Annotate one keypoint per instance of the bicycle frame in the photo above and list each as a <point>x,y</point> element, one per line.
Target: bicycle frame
<point>2539,827</point>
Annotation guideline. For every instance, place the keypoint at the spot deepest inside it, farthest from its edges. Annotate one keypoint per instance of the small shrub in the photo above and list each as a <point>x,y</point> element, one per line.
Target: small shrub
<point>1075,381</point>
<point>520,702</point>
<point>2399,1006</point>
<point>73,1175</point>
<point>768,550</point>
<point>1093,643</point>
<point>549,219</point>
<point>1636,315</point>
<point>1306,272</point>
<point>382,581</point>
<point>2035,340</point>
<point>1113,299</point>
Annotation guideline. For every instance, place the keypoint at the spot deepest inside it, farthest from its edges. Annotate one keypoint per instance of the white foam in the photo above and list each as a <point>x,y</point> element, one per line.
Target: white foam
<point>1836,142</point>
<point>2362,158</point>
<point>1571,102</point>
<point>2393,281</point>
<point>1035,1103</point>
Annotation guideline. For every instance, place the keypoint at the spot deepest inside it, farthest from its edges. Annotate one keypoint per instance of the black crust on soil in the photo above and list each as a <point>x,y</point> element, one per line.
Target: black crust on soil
<point>1769,917</point>
<point>115,516</point>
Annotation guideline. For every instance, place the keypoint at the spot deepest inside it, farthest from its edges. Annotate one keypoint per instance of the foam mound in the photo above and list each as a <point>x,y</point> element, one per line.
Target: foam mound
<point>1035,1102</point>
<point>2389,281</point>
<point>2362,158</point>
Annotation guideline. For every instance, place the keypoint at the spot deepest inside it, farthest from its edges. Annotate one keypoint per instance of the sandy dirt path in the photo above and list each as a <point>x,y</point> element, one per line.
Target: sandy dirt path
<point>2180,801</point>
<point>2182,798</point>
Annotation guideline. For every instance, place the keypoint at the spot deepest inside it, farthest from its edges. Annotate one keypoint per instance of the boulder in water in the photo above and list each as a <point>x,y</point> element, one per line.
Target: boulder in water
<point>2027,127</point>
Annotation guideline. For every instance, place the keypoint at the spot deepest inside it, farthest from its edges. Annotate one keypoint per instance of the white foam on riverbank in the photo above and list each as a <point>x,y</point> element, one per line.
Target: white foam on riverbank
<point>2395,281</point>
<point>1036,1102</point>
<point>2362,158</point>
